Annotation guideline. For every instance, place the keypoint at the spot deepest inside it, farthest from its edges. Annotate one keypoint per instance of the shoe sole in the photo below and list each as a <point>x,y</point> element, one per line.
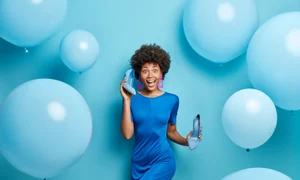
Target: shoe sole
<point>129,89</point>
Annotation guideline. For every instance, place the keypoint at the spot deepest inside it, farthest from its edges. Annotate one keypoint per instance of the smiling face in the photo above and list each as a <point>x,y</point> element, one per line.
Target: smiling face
<point>150,76</point>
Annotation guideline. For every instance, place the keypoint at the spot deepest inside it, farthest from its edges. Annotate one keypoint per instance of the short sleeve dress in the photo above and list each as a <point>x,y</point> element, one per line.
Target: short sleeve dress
<point>152,157</point>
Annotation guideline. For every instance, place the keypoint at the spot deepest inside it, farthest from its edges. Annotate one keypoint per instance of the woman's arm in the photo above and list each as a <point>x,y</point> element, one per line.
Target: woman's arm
<point>127,126</point>
<point>175,136</point>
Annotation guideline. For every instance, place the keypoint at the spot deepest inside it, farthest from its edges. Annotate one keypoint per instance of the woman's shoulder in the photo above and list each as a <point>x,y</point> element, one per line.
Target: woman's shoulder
<point>172,95</point>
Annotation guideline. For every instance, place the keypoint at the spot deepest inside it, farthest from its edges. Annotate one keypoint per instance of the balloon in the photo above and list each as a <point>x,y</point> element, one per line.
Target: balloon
<point>249,118</point>
<point>45,127</point>
<point>257,174</point>
<point>28,23</point>
<point>79,50</point>
<point>220,30</point>
<point>273,60</point>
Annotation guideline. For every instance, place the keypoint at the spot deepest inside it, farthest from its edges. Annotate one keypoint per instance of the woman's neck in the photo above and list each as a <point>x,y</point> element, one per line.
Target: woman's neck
<point>154,93</point>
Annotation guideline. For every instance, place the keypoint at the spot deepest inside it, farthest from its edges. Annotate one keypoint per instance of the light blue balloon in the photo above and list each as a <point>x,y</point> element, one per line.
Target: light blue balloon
<point>45,127</point>
<point>257,173</point>
<point>249,118</point>
<point>79,50</point>
<point>273,60</point>
<point>27,23</point>
<point>220,30</point>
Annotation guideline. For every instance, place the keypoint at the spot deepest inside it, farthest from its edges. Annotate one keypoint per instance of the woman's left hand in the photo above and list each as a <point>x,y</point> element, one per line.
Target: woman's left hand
<point>200,135</point>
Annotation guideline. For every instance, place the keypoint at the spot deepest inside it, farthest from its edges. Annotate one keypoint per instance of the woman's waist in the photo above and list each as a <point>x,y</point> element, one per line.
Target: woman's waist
<point>152,152</point>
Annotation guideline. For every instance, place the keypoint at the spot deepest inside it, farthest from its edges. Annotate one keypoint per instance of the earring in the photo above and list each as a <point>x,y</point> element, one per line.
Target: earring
<point>140,84</point>
<point>161,83</point>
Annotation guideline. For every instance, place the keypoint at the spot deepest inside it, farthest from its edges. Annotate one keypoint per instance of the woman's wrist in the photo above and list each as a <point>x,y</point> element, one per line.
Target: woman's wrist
<point>127,100</point>
<point>186,142</point>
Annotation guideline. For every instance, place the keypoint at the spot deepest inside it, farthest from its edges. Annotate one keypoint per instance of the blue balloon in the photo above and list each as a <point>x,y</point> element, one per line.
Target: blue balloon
<point>273,60</point>
<point>249,118</point>
<point>45,127</point>
<point>257,174</point>
<point>28,23</point>
<point>79,50</point>
<point>220,30</point>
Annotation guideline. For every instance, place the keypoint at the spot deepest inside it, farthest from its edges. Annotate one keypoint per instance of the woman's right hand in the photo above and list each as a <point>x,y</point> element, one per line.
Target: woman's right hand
<point>125,94</point>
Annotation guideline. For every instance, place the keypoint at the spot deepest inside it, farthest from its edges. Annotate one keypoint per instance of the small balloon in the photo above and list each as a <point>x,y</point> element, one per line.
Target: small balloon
<point>79,50</point>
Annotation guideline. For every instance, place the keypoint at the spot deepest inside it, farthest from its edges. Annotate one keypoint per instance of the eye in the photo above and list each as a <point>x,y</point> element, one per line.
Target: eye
<point>155,70</point>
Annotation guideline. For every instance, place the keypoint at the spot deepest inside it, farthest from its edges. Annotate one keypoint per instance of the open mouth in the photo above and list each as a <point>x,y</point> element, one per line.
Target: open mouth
<point>151,83</point>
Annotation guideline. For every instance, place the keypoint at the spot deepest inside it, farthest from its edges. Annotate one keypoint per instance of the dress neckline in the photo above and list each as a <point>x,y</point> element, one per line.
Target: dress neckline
<point>151,97</point>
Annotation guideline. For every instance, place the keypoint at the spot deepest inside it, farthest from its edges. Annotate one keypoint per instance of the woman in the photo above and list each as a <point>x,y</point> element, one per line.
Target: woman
<point>151,116</point>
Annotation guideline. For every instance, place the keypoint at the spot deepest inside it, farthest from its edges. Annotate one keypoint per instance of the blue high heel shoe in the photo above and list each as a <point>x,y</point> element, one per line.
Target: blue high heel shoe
<point>129,81</point>
<point>194,140</point>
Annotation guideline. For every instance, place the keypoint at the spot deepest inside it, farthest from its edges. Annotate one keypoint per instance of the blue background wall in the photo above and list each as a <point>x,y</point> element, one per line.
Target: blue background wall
<point>121,27</point>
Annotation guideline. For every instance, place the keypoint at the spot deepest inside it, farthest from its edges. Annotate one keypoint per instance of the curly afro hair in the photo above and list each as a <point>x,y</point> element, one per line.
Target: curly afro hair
<point>150,54</point>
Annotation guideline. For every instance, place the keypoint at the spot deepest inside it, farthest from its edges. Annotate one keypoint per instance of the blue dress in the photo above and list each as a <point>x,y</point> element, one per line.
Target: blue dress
<point>152,157</point>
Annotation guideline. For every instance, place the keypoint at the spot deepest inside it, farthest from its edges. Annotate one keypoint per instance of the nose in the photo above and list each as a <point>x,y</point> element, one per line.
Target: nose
<point>150,74</point>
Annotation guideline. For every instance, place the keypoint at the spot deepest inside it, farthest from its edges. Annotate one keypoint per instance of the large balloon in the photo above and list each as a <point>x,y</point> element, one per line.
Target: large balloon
<point>249,118</point>
<point>79,50</point>
<point>45,127</point>
<point>273,60</point>
<point>220,30</point>
<point>27,23</point>
<point>257,174</point>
